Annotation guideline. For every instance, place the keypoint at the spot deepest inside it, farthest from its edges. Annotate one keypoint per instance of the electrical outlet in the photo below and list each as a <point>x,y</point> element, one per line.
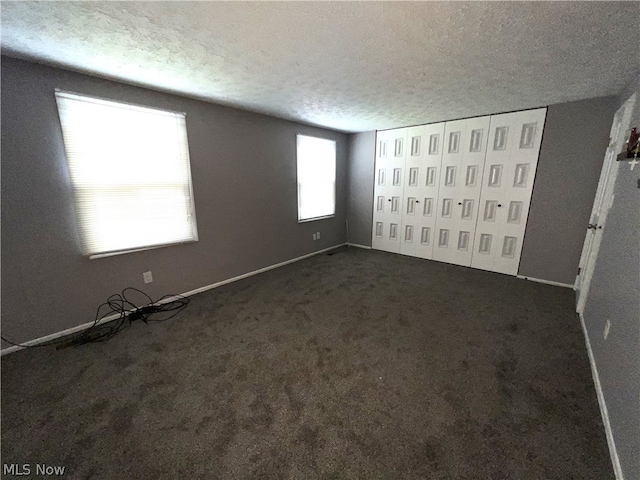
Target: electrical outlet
<point>148,277</point>
<point>313,236</point>
<point>318,236</point>
<point>607,328</point>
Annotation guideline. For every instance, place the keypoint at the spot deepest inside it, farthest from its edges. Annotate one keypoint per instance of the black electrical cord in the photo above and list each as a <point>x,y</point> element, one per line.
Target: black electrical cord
<point>127,311</point>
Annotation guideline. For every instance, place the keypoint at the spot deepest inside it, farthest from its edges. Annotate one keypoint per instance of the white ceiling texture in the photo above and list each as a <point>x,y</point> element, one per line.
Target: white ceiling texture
<point>350,66</point>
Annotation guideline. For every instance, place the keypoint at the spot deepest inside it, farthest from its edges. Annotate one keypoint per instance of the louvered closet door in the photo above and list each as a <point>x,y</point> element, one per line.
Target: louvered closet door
<point>460,183</point>
<point>509,171</point>
<point>388,191</point>
<point>424,152</point>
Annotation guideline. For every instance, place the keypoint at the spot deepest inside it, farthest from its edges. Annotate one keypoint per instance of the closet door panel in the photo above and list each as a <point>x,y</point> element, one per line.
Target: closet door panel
<point>460,185</point>
<point>421,189</point>
<point>389,189</point>
<point>445,249</point>
<point>510,166</point>
<point>471,185</point>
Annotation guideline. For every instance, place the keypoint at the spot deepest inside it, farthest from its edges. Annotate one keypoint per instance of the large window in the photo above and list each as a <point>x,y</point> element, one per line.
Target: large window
<point>316,178</point>
<point>130,172</point>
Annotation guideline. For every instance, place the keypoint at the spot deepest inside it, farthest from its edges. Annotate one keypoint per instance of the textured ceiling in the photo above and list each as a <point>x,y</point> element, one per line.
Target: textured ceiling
<point>348,66</point>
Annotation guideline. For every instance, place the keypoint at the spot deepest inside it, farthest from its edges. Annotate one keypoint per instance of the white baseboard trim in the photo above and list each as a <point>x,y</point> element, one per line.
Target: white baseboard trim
<point>256,272</point>
<point>615,460</point>
<point>547,282</point>
<point>69,331</point>
<point>53,336</point>
<point>358,246</point>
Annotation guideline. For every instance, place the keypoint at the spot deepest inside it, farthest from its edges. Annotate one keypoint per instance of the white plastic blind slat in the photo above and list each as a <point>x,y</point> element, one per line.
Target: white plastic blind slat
<point>130,172</point>
<point>316,159</point>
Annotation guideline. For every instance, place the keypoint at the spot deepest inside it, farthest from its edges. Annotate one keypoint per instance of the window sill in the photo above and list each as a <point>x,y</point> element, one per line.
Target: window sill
<point>316,218</point>
<point>142,249</point>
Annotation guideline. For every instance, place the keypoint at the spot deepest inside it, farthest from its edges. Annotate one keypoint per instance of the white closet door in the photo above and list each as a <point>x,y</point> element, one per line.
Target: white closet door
<point>460,183</point>
<point>389,189</point>
<point>424,152</point>
<point>509,171</point>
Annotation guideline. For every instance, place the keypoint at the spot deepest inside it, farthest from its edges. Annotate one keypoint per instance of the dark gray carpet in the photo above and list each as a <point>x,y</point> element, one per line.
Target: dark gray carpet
<point>357,365</point>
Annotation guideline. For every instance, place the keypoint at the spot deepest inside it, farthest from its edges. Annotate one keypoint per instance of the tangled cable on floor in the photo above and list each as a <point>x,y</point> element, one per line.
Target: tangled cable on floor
<point>126,310</point>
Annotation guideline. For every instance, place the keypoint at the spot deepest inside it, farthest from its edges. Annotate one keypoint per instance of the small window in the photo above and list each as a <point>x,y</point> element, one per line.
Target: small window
<point>130,173</point>
<point>316,178</point>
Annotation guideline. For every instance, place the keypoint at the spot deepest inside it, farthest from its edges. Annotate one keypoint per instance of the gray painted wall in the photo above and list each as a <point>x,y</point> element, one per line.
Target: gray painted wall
<point>615,295</point>
<point>575,138</point>
<point>360,183</point>
<point>244,180</point>
<point>576,135</point>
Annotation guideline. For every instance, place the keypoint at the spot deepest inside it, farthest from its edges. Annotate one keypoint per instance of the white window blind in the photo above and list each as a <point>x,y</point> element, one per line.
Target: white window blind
<point>130,172</point>
<point>316,178</point>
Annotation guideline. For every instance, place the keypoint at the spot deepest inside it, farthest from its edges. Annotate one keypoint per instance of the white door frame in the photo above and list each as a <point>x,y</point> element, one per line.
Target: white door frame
<point>602,203</point>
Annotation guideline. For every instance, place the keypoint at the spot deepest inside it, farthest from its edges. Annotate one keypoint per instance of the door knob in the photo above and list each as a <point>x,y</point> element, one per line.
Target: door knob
<point>592,226</point>
<point>459,203</point>
<point>389,200</point>
<point>499,204</point>
<point>417,201</point>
